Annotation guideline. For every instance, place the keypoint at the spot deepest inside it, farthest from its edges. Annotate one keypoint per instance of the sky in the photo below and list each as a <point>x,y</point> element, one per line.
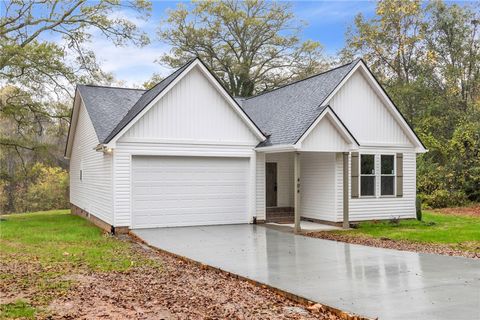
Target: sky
<point>326,21</point>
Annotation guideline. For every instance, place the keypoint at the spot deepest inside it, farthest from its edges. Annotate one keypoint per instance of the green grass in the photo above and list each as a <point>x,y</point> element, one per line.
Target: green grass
<point>435,228</point>
<point>53,247</point>
<point>19,309</point>
<point>58,238</point>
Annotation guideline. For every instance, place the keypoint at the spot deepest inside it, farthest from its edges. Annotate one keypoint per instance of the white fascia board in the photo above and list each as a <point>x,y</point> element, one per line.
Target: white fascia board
<point>277,148</point>
<point>73,124</point>
<point>378,89</point>
<point>194,64</point>
<point>327,112</point>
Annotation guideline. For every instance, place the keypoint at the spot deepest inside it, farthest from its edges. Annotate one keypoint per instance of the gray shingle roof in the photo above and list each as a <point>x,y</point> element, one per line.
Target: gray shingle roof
<point>284,114</point>
<point>107,106</point>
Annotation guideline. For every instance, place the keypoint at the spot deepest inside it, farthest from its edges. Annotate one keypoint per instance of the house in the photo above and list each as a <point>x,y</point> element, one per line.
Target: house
<point>332,147</point>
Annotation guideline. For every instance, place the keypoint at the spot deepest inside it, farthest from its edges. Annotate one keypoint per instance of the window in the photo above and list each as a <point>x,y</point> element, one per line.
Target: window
<point>367,175</point>
<point>387,181</point>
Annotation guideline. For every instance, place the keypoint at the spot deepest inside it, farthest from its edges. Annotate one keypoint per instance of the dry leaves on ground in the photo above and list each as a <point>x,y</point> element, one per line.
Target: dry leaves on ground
<point>393,244</point>
<point>473,211</point>
<point>176,290</point>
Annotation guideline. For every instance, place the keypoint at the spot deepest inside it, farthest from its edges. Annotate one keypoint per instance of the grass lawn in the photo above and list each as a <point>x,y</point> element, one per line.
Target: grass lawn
<point>55,244</point>
<point>55,265</point>
<point>459,232</point>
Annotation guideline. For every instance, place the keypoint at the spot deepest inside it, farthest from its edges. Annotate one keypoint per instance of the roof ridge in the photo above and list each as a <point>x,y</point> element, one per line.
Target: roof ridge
<point>307,78</point>
<point>110,87</point>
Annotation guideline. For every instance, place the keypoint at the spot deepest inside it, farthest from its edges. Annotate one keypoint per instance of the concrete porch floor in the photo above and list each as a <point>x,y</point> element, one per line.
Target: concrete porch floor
<point>372,282</point>
<point>305,226</point>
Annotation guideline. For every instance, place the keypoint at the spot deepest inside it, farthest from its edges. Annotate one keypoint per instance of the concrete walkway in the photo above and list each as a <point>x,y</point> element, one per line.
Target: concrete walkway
<point>368,281</point>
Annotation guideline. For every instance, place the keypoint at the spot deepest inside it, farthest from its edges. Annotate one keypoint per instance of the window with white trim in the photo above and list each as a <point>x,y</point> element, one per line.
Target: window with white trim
<point>387,172</point>
<point>367,175</point>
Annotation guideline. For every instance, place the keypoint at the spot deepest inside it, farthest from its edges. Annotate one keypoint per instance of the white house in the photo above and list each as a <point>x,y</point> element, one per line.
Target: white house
<point>332,147</point>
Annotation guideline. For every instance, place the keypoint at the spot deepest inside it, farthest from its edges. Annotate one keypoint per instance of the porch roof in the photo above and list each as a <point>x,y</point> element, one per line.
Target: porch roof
<point>327,112</point>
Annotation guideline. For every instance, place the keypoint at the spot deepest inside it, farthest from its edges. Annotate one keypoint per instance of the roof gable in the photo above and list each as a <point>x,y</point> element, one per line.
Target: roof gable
<point>327,133</point>
<point>284,114</point>
<point>191,111</point>
<point>144,101</point>
<point>156,93</point>
<point>378,112</point>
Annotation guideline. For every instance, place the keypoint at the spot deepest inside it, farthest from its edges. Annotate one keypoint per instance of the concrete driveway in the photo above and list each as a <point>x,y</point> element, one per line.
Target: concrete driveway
<point>368,281</point>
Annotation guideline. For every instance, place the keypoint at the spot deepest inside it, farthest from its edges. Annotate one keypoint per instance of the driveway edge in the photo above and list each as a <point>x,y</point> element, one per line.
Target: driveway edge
<point>299,299</point>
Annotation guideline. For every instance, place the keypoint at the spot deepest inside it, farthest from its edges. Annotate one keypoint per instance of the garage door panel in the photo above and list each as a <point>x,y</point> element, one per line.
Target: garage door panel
<point>181,191</point>
<point>191,204</point>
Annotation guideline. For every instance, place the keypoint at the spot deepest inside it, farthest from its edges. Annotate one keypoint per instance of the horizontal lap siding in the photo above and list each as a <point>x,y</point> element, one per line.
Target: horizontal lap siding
<point>284,177</point>
<point>317,185</point>
<point>260,186</point>
<point>378,208</point>
<point>338,187</point>
<point>122,187</point>
<point>94,193</point>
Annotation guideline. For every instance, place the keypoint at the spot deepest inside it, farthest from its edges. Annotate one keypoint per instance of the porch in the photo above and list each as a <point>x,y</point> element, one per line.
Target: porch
<point>307,187</point>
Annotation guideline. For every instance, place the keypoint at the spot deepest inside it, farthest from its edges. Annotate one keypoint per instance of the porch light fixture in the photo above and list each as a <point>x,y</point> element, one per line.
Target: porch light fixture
<point>103,148</point>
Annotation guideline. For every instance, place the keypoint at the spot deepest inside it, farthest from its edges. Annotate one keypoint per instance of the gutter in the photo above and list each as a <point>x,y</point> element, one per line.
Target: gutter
<point>278,148</point>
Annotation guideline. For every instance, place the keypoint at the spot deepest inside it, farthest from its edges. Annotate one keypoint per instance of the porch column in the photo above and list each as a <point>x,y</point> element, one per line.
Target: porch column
<point>296,184</point>
<point>346,222</point>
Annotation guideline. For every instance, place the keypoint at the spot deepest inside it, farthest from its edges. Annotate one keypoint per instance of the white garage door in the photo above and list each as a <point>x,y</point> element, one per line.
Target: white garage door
<point>188,191</point>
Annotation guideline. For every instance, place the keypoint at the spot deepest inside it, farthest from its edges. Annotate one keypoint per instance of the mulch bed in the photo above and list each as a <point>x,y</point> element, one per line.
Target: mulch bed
<point>176,290</point>
<point>394,244</point>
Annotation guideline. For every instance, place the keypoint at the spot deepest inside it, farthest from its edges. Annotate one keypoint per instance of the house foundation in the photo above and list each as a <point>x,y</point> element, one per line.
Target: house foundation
<point>96,221</point>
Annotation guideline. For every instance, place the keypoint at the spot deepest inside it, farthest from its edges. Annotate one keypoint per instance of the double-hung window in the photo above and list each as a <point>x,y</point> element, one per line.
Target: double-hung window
<point>367,175</point>
<point>387,179</point>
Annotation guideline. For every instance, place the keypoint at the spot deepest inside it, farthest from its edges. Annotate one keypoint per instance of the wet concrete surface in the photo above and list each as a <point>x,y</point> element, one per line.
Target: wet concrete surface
<point>368,281</point>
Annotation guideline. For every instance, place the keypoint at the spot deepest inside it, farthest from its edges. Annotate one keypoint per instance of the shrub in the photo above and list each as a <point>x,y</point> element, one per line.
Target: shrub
<point>48,190</point>
<point>443,198</point>
<point>418,208</point>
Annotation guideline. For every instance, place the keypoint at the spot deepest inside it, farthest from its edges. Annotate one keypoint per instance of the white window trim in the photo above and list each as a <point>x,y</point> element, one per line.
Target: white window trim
<point>375,195</point>
<point>394,175</point>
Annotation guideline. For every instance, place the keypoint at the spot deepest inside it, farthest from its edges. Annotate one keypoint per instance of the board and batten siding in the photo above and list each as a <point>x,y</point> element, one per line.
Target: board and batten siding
<point>318,185</point>
<point>325,137</point>
<point>193,111</point>
<point>94,192</point>
<point>365,114</point>
<point>285,183</point>
<point>192,119</point>
<point>379,207</point>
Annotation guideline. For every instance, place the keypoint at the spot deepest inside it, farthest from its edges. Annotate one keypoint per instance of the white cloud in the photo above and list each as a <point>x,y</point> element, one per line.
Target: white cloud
<point>130,64</point>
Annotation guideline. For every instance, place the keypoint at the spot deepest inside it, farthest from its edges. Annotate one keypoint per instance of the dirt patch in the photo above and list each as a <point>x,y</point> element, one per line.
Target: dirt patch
<point>395,244</point>
<point>176,290</point>
<point>473,211</point>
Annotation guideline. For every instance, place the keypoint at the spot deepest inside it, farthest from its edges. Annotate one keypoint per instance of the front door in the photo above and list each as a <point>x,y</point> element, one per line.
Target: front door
<point>271,184</point>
